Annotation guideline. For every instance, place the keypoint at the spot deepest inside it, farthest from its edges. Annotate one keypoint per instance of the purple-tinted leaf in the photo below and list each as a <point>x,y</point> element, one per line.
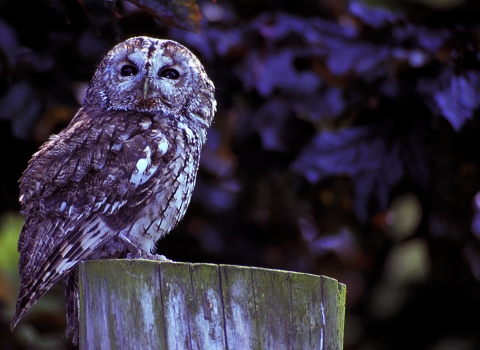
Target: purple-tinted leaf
<point>324,30</point>
<point>342,244</point>
<point>269,123</point>
<point>430,40</point>
<point>471,253</point>
<point>427,88</point>
<point>21,105</point>
<point>476,217</point>
<point>362,153</point>
<point>346,151</point>
<point>8,45</point>
<point>195,41</point>
<point>362,58</point>
<point>374,16</point>
<point>275,28</point>
<point>459,99</point>
<point>283,26</point>
<point>183,14</point>
<point>276,71</point>
<point>308,228</point>
<point>329,103</point>
<point>224,41</point>
<point>212,42</point>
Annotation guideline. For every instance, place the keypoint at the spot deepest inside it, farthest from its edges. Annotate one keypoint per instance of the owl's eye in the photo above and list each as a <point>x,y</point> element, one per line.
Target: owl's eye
<point>169,74</point>
<point>128,70</point>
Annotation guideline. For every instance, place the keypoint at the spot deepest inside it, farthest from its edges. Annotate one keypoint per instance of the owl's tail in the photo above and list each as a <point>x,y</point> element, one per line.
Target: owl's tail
<point>30,292</point>
<point>72,300</point>
<point>76,246</point>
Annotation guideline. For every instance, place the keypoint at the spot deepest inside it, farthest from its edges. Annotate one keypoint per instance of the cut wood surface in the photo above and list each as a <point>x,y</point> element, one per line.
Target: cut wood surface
<point>142,304</point>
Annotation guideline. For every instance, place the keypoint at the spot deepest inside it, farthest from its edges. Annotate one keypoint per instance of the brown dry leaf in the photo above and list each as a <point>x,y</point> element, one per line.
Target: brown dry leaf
<point>183,14</point>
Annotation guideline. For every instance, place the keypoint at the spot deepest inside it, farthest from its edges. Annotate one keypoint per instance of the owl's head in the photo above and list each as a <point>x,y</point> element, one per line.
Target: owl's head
<point>154,76</point>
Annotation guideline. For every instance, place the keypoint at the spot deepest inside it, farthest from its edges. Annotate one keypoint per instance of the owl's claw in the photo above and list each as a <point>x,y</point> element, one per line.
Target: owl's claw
<point>148,256</point>
<point>140,254</point>
<point>136,253</point>
<point>132,248</point>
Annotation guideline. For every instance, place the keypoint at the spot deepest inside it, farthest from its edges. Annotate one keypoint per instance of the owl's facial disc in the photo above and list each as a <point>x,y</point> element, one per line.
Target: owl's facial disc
<point>154,76</point>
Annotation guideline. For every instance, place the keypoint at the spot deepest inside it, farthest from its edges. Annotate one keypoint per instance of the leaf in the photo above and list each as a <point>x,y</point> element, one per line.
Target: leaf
<point>374,16</point>
<point>345,151</point>
<point>475,226</point>
<point>459,99</point>
<point>270,124</point>
<point>342,243</point>
<point>183,14</point>
<point>455,97</point>
<point>8,45</point>
<point>374,160</point>
<point>329,103</point>
<point>283,26</point>
<point>363,58</point>
<point>22,106</point>
<point>419,37</point>
<point>277,71</point>
<point>430,39</point>
<point>225,40</point>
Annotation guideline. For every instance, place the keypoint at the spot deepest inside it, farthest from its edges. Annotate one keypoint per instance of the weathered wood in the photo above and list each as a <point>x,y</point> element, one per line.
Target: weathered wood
<point>140,304</point>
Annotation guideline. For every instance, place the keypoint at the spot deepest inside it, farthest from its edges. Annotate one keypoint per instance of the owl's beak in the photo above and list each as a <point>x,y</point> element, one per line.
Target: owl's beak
<point>145,89</point>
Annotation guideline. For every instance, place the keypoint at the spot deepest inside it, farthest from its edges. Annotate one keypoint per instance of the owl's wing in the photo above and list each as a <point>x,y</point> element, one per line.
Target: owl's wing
<point>86,173</point>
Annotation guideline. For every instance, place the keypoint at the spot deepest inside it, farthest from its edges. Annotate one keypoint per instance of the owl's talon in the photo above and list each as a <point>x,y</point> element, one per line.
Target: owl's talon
<point>141,255</point>
<point>159,257</point>
<point>134,251</point>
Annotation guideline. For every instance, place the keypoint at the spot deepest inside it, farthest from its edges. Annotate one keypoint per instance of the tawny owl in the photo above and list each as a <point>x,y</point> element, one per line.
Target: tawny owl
<point>121,175</point>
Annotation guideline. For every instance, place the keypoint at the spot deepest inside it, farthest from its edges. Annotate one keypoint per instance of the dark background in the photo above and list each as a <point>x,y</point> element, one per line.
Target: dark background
<point>346,143</point>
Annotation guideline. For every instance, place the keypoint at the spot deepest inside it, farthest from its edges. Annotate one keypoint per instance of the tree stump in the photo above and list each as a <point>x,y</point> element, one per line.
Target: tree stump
<point>142,304</point>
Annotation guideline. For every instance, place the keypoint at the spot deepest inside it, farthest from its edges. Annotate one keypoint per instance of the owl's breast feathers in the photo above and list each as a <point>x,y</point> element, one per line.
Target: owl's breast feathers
<point>108,172</point>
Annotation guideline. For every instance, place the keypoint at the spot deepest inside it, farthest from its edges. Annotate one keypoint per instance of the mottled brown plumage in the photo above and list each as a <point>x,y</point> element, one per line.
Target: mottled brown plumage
<point>121,175</point>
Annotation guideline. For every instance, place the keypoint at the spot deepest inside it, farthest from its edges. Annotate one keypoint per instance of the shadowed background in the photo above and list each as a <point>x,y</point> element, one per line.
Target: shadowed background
<point>345,144</point>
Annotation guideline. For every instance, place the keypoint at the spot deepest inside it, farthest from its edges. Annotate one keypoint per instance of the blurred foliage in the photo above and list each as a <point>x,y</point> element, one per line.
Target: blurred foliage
<point>345,144</point>
<point>10,226</point>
